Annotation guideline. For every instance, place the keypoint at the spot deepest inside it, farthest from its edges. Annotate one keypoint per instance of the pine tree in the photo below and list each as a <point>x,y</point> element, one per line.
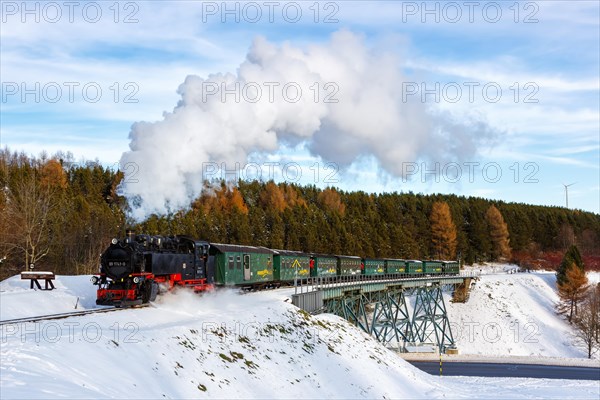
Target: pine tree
<point>572,290</point>
<point>498,234</point>
<point>572,256</point>
<point>443,231</point>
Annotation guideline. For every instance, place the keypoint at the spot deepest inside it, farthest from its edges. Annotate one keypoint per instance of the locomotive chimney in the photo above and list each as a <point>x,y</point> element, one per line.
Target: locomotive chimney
<point>130,234</point>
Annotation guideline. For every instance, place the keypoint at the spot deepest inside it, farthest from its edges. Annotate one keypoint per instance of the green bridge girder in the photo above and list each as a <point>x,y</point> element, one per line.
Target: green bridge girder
<point>389,318</point>
<point>380,309</point>
<point>430,319</point>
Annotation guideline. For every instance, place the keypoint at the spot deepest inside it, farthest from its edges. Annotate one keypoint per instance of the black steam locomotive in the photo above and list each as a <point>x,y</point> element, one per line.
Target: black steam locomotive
<point>132,269</point>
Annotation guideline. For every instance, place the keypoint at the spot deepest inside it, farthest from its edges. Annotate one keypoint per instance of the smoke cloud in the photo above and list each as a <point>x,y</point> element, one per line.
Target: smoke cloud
<point>342,98</point>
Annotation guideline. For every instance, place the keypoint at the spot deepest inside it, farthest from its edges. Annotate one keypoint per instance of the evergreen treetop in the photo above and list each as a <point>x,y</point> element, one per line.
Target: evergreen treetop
<point>571,258</point>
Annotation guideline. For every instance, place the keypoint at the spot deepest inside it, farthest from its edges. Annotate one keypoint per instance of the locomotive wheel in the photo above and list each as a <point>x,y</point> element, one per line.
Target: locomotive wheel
<point>154,291</point>
<point>146,290</point>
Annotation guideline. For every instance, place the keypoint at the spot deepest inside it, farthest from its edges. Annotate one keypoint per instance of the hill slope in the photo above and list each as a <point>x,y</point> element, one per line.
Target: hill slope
<point>514,315</point>
<point>220,345</point>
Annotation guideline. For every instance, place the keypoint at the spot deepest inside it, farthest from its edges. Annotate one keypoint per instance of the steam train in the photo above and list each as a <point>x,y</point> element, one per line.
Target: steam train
<point>135,269</point>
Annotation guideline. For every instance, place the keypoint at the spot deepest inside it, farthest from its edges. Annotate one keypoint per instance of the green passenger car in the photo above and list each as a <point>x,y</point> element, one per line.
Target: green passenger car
<point>414,267</point>
<point>432,267</point>
<point>348,265</point>
<point>395,266</point>
<point>241,265</point>
<point>288,265</point>
<point>373,266</point>
<point>323,265</point>
<point>451,267</point>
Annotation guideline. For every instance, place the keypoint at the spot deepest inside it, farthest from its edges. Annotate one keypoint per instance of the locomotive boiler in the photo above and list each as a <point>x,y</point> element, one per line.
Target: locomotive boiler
<point>133,270</point>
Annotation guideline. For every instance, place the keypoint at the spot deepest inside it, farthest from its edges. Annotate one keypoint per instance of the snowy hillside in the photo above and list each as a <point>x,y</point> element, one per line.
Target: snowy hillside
<point>220,345</point>
<point>514,315</point>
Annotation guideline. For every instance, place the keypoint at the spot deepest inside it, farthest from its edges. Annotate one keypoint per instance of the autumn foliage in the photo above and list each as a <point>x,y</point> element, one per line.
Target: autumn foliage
<point>443,231</point>
<point>330,199</point>
<point>499,235</point>
<point>73,211</point>
<point>225,198</point>
<point>572,291</point>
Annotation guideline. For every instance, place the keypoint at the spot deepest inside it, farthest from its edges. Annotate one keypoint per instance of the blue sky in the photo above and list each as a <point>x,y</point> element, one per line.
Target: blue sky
<point>547,52</point>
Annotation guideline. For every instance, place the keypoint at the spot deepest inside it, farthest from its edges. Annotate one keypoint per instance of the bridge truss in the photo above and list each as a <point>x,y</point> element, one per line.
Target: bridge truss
<point>380,308</point>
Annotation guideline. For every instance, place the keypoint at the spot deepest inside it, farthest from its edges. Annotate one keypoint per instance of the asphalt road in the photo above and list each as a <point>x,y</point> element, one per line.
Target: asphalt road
<point>508,370</point>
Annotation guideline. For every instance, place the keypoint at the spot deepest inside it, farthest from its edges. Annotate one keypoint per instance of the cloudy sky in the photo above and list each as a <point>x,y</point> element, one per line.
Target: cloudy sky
<point>492,99</point>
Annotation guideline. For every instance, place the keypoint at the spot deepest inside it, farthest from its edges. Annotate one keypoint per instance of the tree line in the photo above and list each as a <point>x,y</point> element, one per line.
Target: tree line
<point>59,215</point>
<point>56,215</point>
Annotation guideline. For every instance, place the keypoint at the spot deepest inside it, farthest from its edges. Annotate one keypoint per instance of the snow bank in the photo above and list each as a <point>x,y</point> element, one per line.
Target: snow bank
<point>17,300</point>
<point>223,345</point>
<point>513,315</point>
<point>219,345</point>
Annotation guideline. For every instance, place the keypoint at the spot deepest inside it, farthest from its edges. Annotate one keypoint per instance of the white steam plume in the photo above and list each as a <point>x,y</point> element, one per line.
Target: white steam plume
<point>370,117</point>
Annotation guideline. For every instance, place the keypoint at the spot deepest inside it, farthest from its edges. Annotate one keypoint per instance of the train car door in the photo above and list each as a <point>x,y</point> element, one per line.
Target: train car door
<point>247,275</point>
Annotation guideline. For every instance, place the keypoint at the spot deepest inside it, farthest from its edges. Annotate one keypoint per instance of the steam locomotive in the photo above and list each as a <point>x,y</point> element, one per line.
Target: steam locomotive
<point>132,269</point>
<point>135,269</point>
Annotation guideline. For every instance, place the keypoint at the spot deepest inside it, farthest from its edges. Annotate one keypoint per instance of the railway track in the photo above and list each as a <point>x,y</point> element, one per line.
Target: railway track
<point>63,315</point>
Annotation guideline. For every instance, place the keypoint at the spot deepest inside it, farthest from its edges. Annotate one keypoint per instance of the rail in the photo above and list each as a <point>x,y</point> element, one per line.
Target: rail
<point>62,315</point>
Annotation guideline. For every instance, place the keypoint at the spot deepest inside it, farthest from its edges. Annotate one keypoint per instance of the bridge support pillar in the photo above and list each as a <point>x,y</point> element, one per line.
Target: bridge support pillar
<point>430,320</point>
<point>383,315</point>
<point>391,321</point>
<point>352,308</point>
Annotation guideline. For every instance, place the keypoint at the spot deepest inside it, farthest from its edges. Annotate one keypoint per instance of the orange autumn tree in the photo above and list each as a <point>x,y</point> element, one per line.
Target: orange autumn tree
<point>443,231</point>
<point>273,197</point>
<point>498,234</point>
<point>330,199</point>
<point>572,291</point>
<point>225,199</point>
<point>53,176</point>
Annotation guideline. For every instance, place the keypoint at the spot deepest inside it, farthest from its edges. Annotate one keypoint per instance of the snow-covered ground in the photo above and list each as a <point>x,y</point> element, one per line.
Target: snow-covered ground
<point>514,314</point>
<point>224,345</point>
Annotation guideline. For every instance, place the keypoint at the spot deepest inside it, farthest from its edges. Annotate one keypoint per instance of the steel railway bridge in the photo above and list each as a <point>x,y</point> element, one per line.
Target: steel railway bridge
<point>378,305</point>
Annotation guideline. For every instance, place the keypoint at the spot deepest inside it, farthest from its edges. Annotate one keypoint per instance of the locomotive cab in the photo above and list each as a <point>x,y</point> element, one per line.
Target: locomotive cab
<point>132,269</point>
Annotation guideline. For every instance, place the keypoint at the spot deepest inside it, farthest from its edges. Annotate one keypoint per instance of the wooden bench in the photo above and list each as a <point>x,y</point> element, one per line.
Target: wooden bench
<point>33,276</point>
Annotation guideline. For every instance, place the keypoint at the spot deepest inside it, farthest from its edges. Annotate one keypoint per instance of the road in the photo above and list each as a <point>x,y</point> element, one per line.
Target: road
<point>508,370</point>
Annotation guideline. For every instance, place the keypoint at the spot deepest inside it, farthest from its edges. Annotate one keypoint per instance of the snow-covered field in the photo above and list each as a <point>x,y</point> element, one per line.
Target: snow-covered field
<point>257,345</point>
<point>514,315</point>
